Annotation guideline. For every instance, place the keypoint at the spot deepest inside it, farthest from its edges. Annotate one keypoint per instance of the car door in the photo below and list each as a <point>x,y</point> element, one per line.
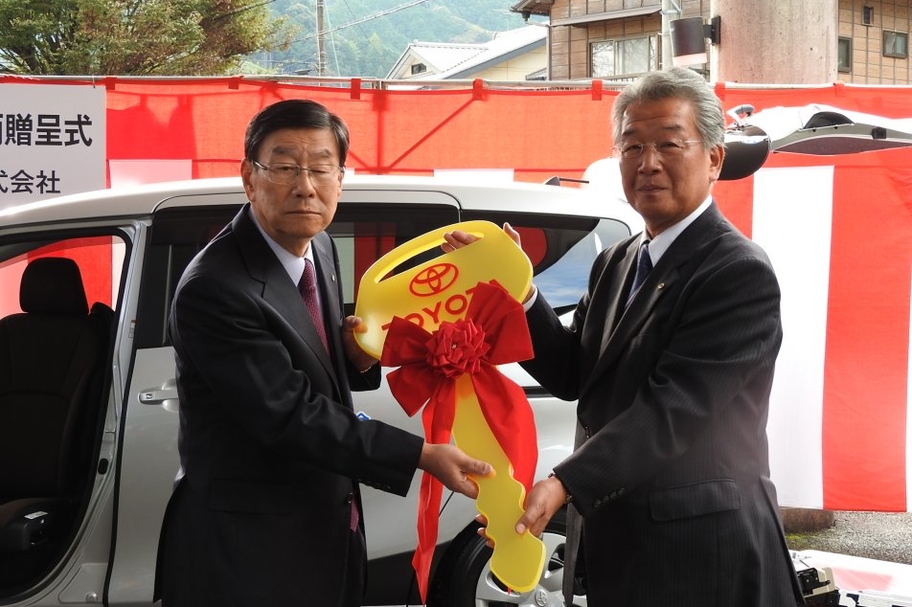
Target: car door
<point>148,457</point>
<point>40,427</point>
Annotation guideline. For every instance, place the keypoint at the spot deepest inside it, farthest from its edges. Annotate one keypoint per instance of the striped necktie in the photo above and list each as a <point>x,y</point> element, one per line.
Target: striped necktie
<point>308,289</point>
<point>644,265</point>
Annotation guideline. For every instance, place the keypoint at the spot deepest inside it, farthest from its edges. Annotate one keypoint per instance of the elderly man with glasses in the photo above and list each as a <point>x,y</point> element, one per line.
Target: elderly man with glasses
<point>670,355</point>
<point>265,511</point>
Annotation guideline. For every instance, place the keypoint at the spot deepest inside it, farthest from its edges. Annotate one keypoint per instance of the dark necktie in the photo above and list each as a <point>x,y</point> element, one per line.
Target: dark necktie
<point>308,290</point>
<point>644,265</point>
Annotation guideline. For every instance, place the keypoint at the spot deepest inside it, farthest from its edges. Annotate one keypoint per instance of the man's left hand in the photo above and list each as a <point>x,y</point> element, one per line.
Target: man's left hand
<point>358,357</point>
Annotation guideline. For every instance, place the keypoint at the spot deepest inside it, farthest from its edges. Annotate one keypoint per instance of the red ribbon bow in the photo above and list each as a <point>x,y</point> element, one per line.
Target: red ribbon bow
<point>493,332</point>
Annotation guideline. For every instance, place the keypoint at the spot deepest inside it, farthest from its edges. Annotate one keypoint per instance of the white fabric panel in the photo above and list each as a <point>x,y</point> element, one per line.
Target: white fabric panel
<point>135,172</point>
<point>792,221</point>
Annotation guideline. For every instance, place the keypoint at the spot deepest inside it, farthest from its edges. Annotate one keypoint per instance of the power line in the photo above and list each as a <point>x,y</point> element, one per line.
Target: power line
<point>362,20</point>
<point>241,9</point>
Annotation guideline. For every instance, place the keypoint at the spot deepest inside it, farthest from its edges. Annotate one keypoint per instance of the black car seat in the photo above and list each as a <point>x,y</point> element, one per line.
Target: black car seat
<point>51,373</point>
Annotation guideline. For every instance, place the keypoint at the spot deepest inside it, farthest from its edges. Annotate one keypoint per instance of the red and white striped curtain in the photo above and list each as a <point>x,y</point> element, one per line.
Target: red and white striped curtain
<point>838,229</point>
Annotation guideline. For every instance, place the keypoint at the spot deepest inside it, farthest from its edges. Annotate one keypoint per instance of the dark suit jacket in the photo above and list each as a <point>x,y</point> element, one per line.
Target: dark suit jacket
<point>271,451</point>
<point>671,472</point>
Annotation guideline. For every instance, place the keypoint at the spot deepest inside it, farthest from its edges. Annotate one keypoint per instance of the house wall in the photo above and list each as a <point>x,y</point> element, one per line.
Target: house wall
<point>570,44</point>
<point>869,65</point>
<point>569,47</point>
<point>517,68</point>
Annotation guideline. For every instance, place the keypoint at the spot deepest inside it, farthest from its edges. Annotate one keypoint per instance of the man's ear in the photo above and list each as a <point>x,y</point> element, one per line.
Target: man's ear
<point>246,177</point>
<point>716,157</point>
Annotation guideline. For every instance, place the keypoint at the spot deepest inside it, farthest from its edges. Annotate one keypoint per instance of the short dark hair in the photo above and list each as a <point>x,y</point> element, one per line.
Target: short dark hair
<point>294,114</point>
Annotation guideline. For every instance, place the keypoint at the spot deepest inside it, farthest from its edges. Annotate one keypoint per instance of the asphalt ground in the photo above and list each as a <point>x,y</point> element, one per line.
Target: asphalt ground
<point>883,536</point>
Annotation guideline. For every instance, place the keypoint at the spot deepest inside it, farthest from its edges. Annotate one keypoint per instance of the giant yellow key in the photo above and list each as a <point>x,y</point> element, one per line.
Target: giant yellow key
<point>437,291</point>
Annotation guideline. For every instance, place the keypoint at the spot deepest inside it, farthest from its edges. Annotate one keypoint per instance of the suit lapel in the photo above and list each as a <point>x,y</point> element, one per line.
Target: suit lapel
<point>660,280</point>
<point>617,286</point>
<point>278,288</point>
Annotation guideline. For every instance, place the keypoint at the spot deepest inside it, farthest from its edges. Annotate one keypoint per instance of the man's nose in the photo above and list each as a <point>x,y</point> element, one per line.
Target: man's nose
<point>304,182</point>
<point>650,159</point>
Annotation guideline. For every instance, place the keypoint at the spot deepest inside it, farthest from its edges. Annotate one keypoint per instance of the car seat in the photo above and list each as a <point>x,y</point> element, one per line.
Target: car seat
<point>51,373</point>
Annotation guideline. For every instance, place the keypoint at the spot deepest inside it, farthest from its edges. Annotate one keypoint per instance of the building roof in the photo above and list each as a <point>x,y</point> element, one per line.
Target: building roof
<point>445,60</point>
<point>533,7</point>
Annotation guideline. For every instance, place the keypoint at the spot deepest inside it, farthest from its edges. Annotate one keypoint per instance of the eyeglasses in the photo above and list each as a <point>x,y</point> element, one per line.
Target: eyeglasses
<point>287,174</point>
<point>670,148</point>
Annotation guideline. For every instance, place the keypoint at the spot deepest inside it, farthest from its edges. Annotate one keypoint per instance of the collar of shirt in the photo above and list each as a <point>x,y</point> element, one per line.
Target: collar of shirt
<point>293,264</point>
<point>660,244</point>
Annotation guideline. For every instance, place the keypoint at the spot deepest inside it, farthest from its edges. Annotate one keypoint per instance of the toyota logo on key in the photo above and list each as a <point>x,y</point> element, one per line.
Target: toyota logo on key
<point>434,280</point>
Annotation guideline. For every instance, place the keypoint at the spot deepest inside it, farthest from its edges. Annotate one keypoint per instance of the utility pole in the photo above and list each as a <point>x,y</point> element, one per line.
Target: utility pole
<point>775,42</point>
<point>671,10</point>
<point>321,40</point>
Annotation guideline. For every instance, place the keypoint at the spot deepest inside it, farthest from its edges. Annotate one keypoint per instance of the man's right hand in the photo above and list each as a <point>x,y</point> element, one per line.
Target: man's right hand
<point>452,467</point>
<point>458,238</point>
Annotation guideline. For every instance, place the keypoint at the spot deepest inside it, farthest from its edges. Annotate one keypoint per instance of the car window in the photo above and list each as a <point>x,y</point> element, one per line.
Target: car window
<point>177,235</point>
<point>561,250</point>
<point>99,259</point>
<point>365,232</point>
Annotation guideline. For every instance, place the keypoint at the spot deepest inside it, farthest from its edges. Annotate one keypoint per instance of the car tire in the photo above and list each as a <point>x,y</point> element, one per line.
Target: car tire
<point>464,577</point>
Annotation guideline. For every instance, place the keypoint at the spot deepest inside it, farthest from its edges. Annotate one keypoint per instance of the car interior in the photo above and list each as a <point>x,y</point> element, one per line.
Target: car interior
<point>52,375</point>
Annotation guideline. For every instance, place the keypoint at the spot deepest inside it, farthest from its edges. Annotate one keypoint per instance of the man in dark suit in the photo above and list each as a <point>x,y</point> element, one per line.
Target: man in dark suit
<point>669,485</point>
<point>266,508</point>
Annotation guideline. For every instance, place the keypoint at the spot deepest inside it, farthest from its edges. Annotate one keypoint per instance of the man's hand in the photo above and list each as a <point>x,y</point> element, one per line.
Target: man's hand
<point>458,239</point>
<point>452,466</point>
<point>358,357</point>
<point>545,499</point>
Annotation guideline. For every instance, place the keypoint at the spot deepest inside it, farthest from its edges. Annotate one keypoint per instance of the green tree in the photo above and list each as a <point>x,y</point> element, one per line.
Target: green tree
<point>136,37</point>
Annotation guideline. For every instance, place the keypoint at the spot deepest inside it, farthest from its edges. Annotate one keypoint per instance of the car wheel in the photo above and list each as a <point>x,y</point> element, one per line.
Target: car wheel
<point>464,577</point>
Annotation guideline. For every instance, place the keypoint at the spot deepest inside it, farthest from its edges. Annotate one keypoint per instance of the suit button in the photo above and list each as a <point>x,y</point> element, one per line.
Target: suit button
<point>349,498</point>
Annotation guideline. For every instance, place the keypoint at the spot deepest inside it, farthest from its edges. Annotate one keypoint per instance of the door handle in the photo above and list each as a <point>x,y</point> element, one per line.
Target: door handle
<point>166,396</point>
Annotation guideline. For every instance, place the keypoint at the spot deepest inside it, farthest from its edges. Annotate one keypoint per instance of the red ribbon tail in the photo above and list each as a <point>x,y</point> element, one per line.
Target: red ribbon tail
<point>510,418</point>
<point>428,514</point>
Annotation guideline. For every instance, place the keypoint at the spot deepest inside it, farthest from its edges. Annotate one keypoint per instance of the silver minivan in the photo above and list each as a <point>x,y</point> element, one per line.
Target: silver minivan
<point>88,423</point>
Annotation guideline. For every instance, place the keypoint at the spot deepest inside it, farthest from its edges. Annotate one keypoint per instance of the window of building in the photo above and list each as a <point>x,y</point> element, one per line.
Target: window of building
<point>844,54</point>
<point>624,57</point>
<point>896,44</point>
<point>418,68</point>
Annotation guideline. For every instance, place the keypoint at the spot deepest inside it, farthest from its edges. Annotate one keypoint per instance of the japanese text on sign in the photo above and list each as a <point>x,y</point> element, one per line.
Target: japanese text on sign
<point>44,130</point>
<point>23,182</point>
<point>52,141</point>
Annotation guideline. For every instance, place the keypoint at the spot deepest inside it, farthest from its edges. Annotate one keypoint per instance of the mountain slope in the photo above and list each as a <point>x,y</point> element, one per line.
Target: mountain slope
<point>366,37</point>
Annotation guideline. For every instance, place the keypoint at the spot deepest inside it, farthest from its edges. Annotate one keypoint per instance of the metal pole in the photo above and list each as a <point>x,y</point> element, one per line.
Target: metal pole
<point>321,40</point>
<point>670,10</point>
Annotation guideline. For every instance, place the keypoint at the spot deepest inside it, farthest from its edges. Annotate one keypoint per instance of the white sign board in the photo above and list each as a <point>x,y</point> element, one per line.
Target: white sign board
<point>52,141</point>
